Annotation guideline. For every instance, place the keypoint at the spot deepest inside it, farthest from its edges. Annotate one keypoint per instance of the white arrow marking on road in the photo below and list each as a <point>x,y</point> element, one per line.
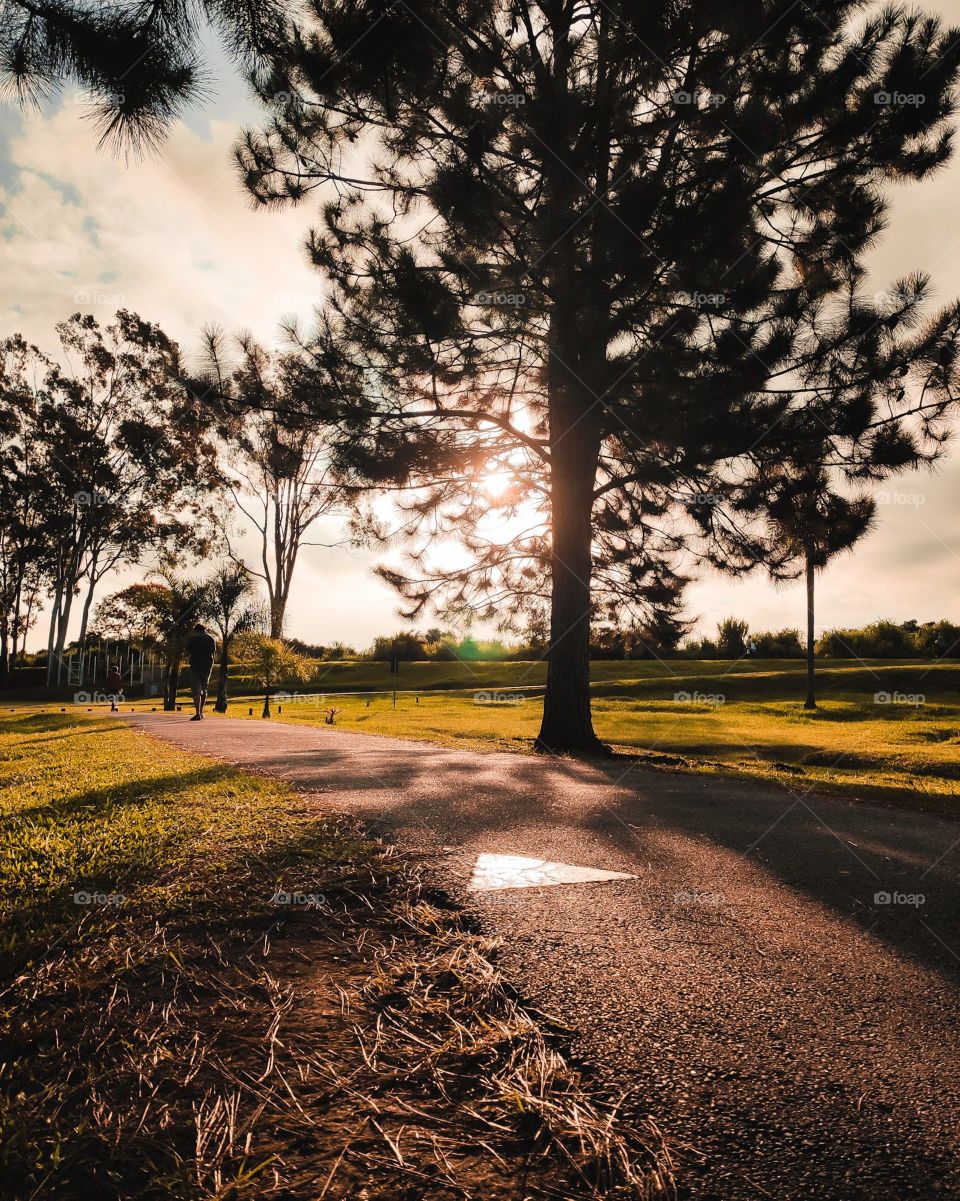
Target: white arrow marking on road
<point>516,871</point>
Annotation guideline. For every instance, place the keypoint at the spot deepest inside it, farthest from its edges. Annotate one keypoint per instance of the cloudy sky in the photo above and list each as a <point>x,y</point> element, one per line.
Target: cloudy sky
<point>174,238</point>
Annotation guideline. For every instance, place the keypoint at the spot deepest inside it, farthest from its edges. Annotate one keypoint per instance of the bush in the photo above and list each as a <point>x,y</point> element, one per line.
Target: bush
<point>878,640</point>
<point>784,644</point>
<point>732,636</point>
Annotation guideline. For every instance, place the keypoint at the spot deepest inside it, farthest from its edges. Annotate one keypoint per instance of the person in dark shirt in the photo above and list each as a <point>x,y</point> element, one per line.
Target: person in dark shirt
<point>201,649</point>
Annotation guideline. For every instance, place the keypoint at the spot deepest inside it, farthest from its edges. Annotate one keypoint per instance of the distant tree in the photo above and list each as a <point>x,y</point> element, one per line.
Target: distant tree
<point>133,614</point>
<point>781,644</point>
<point>117,455</point>
<point>938,638</point>
<point>877,640</point>
<point>408,644</point>
<point>812,523</point>
<point>269,662</point>
<point>232,608</point>
<point>277,466</point>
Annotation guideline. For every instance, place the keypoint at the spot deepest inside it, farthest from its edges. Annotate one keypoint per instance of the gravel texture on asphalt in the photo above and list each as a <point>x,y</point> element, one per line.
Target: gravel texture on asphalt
<point>793,1034</point>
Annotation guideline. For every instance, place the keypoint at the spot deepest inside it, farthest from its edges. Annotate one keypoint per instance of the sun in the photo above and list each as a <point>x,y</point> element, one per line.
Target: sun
<point>495,483</point>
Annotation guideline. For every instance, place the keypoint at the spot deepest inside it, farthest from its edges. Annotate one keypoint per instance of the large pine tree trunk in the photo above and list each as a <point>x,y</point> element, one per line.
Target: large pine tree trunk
<point>567,724</point>
<point>811,701</point>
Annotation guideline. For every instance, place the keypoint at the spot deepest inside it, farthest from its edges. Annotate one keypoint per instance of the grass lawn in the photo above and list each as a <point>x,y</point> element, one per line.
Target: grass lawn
<point>742,718</point>
<point>210,989</point>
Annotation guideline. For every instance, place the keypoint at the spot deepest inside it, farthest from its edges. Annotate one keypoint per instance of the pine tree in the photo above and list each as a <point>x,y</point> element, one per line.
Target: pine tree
<point>630,242</point>
<point>812,524</point>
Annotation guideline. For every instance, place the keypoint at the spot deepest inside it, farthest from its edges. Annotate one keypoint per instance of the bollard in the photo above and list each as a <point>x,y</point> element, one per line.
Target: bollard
<point>250,712</point>
<point>279,708</point>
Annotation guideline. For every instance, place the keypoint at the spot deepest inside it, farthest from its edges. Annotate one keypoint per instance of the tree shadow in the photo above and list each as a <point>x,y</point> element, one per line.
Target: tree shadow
<point>55,890</point>
<point>837,852</point>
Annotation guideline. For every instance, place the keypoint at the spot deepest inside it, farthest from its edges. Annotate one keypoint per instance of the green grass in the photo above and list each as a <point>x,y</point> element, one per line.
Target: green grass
<point>86,809</point>
<point>899,753</point>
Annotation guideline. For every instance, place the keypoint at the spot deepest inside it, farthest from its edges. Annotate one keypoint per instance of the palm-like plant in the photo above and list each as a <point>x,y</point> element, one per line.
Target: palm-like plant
<point>270,662</point>
<point>184,601</point>
<point>233,611</point>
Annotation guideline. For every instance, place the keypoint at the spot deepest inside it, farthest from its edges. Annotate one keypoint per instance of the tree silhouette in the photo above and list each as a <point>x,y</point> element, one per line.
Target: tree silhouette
<point>628,246</point>
<point>277,466</point>
<point>813,523</point>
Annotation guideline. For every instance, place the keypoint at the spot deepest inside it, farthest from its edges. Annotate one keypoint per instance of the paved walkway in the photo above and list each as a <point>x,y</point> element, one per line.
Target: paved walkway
<point>796,1035</point>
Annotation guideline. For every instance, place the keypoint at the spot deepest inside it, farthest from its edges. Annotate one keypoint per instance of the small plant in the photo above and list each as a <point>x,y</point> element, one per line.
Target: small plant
<point>269,662</point>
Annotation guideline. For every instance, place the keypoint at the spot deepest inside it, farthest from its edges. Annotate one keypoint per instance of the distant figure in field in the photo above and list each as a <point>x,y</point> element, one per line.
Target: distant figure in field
<point>201,648</point>
<point>115,683</point>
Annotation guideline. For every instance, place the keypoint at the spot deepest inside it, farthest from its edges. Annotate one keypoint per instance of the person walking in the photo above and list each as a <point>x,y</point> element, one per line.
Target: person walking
<point>201,650</point>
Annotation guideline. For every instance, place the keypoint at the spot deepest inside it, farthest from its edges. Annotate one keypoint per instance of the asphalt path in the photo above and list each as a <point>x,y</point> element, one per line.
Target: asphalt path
<point>792,1033</point>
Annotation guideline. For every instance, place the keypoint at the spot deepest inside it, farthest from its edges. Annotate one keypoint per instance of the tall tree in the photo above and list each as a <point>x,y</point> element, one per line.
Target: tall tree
<point>26,516</point>
<point>630,241</point>
<point>277,467</point>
